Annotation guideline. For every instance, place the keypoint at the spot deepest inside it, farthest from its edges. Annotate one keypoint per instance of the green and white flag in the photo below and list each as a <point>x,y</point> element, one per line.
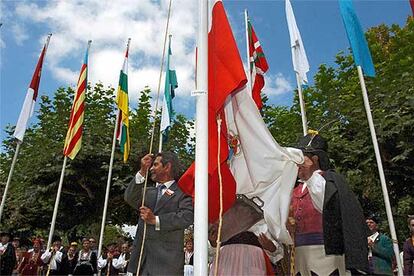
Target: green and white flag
<point>170,85</point>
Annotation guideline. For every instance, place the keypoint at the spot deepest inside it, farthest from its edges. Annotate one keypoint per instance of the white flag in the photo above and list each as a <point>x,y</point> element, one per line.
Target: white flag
<point>260,166</point>
<point>299,59</point>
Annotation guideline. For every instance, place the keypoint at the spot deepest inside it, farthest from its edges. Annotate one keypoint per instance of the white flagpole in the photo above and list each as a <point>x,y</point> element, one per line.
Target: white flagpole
<point>380,170</point>
<point>108,185</point>
<point>108,182</point>
<point>3,199</point>
<point>302,105</point>
<point>16,153</point>
<point>62,176</point>
<point>248,69</point>
<point>201,150</point>
<point>52,224</point>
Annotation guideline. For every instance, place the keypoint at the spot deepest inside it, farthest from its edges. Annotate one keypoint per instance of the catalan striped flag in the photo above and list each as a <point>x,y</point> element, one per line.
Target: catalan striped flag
<point>73,139</point>
<point>122,134</point>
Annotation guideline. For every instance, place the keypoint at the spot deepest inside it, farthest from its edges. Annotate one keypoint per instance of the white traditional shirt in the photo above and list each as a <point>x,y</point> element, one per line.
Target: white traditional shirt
<point>47,258</point>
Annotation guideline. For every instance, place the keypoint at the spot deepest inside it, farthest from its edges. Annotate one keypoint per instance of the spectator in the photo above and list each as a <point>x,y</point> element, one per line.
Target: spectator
<point>69,261</point>
<point>53,257</point>
<point>87,260</point>
<point>31,261</point>
<point>380,251</point>
<point>7,255</point>
<point>409,249</point>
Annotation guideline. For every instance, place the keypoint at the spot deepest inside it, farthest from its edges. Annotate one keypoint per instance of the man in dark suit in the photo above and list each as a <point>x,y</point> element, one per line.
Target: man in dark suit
<point>167,212</point>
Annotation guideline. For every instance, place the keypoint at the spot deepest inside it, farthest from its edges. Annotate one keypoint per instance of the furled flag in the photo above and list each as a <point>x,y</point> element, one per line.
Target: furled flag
<point>356,37</point>
<point>249,155</point>
<point>412,6</point>
<point>170,85</point>
<point>299,59</point>
<point>122,134</point>
<point>258,65</point>
<point>73,139</point>
<point>31,95</point>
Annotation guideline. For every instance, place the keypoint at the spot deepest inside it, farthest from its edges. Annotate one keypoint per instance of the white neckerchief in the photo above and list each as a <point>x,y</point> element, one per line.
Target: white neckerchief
<point>188,256</point>
<point>373,237</point>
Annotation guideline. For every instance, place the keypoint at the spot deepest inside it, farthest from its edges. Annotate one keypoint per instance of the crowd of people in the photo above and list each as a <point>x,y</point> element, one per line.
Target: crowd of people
<point>329,233</point>
<point>34,258</point>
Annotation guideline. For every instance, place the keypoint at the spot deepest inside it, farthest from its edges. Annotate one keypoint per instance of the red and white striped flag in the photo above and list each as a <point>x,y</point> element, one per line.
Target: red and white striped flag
<point>29,102</point>
<point>73,139</point>
<point>258,65</point>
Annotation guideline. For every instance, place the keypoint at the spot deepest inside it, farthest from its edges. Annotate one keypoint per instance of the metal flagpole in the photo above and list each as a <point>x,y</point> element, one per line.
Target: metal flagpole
<point>201,150</point>
<point>52,225</point>
<point>108,185</point>
<point>3,200</point>
<point>380,170</point>
<point>302,105</point>
<point>248,70</point>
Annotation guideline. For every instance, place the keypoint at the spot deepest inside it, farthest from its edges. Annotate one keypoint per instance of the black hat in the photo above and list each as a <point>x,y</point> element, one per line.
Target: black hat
<point>316,145</point>
<point>374,218</point>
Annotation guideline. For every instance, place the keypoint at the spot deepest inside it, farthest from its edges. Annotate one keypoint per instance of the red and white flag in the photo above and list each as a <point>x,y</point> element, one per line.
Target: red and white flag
<point>251,161</point>
<point>258,65</point>
<point>29,102</point>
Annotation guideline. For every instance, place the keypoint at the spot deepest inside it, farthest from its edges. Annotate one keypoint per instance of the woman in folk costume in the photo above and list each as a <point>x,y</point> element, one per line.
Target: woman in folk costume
<point>327,220</point>
<point>87,260</point>
<point>251,252</point>
<point>31,262</point>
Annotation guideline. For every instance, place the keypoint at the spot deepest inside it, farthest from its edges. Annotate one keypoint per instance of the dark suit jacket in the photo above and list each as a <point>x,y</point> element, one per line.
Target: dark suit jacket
<point>163,249</point>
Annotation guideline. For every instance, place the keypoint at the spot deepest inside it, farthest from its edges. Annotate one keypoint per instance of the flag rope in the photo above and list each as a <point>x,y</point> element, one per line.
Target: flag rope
<point>218,241</point>
<point>152,136</point>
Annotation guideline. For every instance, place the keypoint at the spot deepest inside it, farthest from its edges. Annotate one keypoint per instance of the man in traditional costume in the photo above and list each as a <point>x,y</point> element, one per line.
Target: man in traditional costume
<point>329,228</point>
<point>53,257</point>
<point>7,255</point>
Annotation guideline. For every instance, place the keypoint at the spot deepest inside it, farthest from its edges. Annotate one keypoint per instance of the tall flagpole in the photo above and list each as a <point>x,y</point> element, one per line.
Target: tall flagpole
<point>201,150</point>
<point>108,182</point>
<point>248,74</point>
<point>3,200</point>
<point>16,153</point>
<point>380,170</point>
<point>302,105</point>
<point>52,225</point>
<point>59,191</point>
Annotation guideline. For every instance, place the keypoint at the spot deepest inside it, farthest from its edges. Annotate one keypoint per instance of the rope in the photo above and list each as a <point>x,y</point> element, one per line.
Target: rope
<point>152,136</point>
<point>219,120</point>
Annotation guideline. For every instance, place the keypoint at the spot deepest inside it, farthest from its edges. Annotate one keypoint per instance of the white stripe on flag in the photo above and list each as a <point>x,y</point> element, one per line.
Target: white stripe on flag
<point>25,114</point>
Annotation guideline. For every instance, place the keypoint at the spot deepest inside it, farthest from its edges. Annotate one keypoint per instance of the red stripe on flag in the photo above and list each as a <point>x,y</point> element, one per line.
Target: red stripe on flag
<point>73,141</point>
<point>260,63</point>
<point>34,84</point>
<point>412,6</point>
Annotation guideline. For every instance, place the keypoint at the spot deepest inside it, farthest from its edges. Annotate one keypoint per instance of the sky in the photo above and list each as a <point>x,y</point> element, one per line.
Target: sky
<point>109,24</point>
